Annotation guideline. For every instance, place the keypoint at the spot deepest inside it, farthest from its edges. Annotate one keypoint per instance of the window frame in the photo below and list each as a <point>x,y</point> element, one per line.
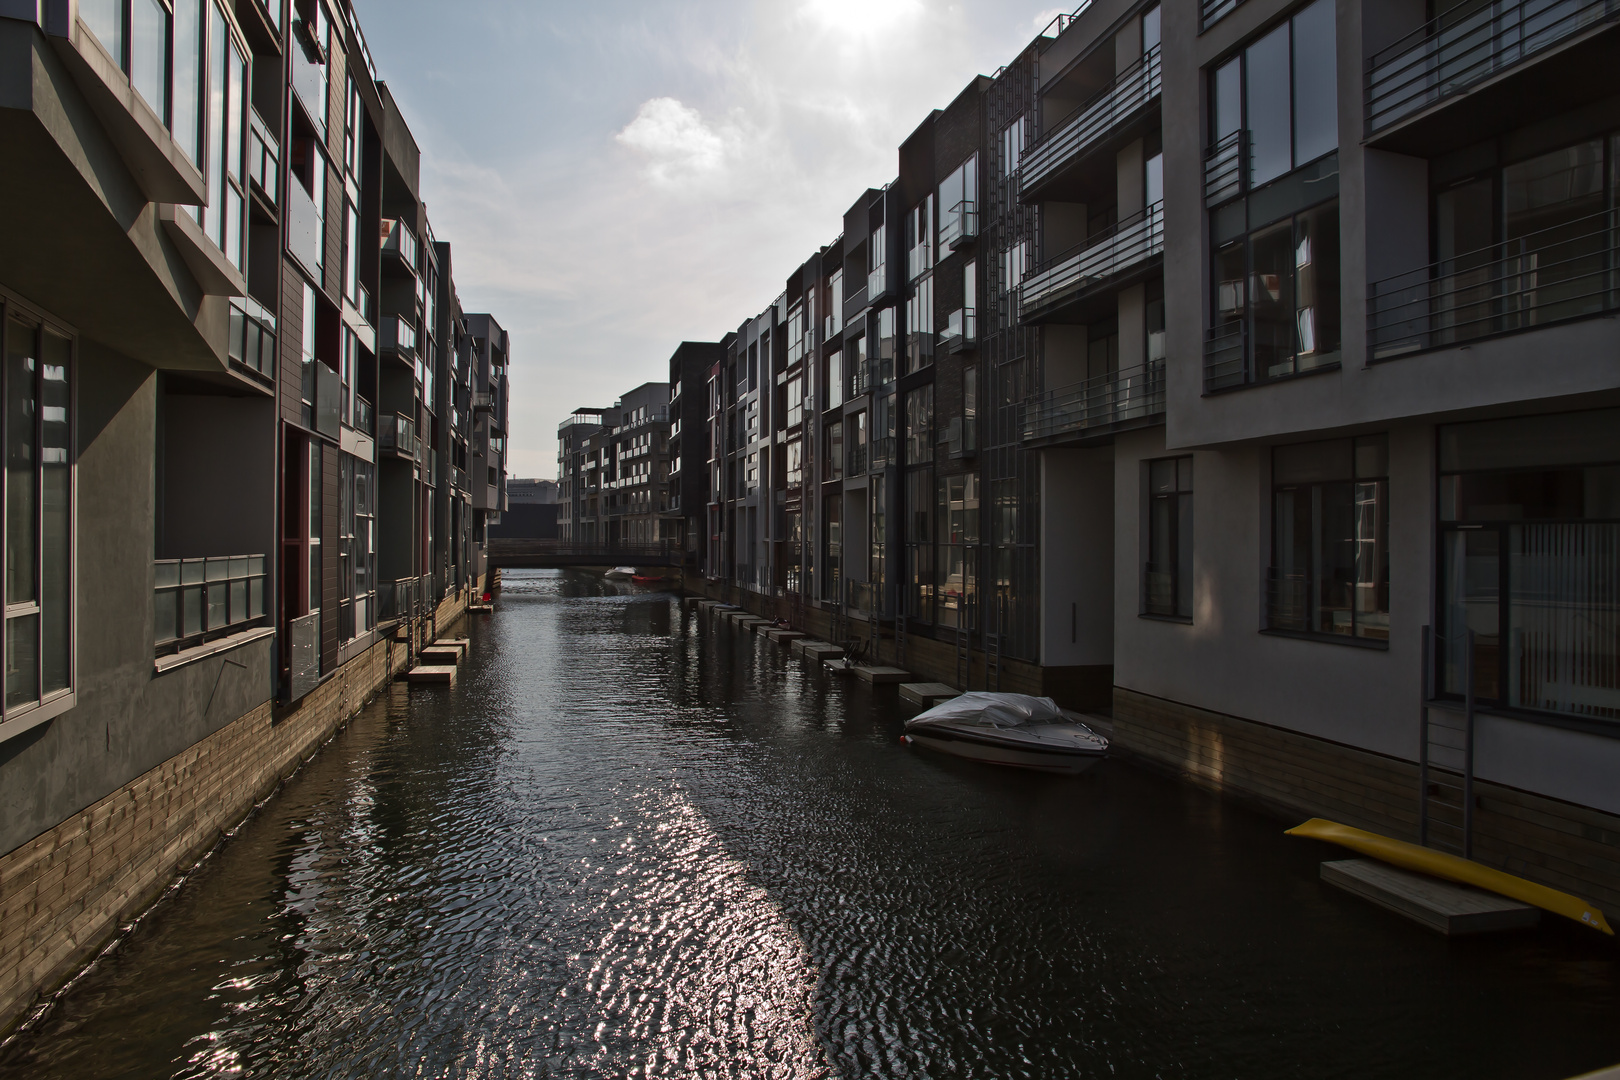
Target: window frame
<point>44,707</point>
<point>1145,605</point>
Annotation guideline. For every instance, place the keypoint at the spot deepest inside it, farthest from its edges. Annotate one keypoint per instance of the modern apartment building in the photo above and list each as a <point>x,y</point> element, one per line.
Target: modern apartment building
<point>614,468</point>
<point>230,343</point>
<point>1247,368</point>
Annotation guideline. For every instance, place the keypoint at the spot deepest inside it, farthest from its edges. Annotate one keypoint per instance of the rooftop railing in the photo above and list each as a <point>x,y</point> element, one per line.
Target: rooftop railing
<point>1129,243</point>
<point>1134,393</point>
<point>1568,271</point>
<point>1131,89</point>
<point>1459,49</point>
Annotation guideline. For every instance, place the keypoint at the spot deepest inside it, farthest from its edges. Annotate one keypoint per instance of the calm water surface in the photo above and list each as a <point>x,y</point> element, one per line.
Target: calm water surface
<point>632,844</point>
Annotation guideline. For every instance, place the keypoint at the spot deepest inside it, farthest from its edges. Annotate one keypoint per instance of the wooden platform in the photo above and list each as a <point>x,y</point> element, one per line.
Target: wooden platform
<point>927,694</point>
<point>882,676</point>
<point>782,637</point>
<point>432,673</point>
<point>438,655</point>
<point>1442,906</point>
<point>477,608</point>
<point>818,650</point>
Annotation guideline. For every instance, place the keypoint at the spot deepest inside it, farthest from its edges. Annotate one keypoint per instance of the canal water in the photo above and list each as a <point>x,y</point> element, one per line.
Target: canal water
<point>630,843</point>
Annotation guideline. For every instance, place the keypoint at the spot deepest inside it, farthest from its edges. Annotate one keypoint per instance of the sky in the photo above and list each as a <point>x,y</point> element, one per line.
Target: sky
<point>615,178</point>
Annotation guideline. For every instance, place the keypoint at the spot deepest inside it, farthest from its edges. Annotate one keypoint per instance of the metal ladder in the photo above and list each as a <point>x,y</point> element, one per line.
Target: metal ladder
<point>992,652</point>
<point>1446,761</point>
<point>964,644</point>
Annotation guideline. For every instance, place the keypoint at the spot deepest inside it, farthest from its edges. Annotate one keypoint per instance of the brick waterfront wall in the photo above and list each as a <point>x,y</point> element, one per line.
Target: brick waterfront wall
<point>67,892</point>
<point>1296,776</point>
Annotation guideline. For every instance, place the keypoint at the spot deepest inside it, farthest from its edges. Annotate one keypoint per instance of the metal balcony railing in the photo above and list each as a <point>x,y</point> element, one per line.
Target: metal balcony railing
<point>397,434</point>
<point>883,452</point>
<point>1568,271</point>
<point>365,416</point>
<point>1287,602</point>
<point>323,397</point>
<point>877,281</point>
<point>195,600</point>
<point>958,225</point>
<point>1213,11</point>
<point>855,459</point>
<point>1129,243</point>
<point>961,328</point>
<point>253,336</point>
<point>1133,393</point>
<point>1225,357</point>
<point>398,240</point>
<point>1224,168</point>
<point>1457,50</point>
<point>264,158</point>
<point>1131,90</point>
<point>398,336</point>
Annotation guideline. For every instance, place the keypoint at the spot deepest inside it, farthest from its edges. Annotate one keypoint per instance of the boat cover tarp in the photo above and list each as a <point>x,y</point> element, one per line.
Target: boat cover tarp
<point>988,709</point>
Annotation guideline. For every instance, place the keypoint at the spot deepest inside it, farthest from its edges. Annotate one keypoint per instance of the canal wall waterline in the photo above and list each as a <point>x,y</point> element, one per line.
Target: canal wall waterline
<point>1296,776</point>
<point>67,893</point>
<point>1086,689</point>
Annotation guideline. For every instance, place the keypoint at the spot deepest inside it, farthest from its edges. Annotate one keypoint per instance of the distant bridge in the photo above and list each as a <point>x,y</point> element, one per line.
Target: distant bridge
<point>513,554</point>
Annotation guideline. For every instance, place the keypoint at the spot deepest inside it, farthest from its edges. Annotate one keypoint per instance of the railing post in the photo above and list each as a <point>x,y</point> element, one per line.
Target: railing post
<point>1423,739</point>
<point>1468,755</point>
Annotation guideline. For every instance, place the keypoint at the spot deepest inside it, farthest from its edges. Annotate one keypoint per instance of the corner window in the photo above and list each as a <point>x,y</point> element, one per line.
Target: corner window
<point>920,425</point>
<point>38,633</point>
<point>1330,539</point>
<point>1279,96</point>
<point>1167,574</point>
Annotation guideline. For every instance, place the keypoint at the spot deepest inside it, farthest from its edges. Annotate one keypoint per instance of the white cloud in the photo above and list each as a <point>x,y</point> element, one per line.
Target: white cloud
<point>672,173</point>
<point>676,142</point>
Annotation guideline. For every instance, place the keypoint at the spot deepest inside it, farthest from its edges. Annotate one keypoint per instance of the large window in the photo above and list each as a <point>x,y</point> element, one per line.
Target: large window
<point>832,462</point>
<point>833,388</point>
<point>1530,562</point>
<point>38,435</point>
<point>357,540</point>
<point>1330,539</point>
<point>920,326</point>
<point>919,508</point>
<point>958,546</point>
<point>832,535</point>
<point>920,425</point>
<point>1280,96</point>
<point>958,203</point>
<point>1012,146</point>
<point>1167,577</point>
<point>1277,290</point>
<point>225,122</point>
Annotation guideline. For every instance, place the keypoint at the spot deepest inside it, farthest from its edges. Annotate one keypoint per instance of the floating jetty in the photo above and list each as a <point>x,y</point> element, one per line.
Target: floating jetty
<point>1442,906</point>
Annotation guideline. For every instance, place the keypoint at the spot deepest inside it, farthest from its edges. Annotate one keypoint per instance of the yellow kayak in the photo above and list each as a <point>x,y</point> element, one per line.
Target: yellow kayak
<point>1466,871</point>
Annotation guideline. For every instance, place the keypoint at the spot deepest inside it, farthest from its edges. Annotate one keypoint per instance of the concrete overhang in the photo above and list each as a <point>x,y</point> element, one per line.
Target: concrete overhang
<point>149,151</point>
<point>207,263</point>
<point>84,242</point>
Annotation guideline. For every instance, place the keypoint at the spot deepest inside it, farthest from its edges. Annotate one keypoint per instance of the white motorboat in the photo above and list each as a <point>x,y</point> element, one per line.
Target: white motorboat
<point>1008,729</point>
<point>620,573</point>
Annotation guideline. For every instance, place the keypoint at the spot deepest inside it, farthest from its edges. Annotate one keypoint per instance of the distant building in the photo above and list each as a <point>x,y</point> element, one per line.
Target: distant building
<point>613,469</point>
<point>531,511</point>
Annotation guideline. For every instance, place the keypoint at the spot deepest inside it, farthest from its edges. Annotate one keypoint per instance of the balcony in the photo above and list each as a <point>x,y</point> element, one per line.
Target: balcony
<point>398,337</point>
<point>1558,274</point>
<point>264,161</point>
<point>365,416</point>
<point>855,460</point>
<point>1069,276</point>
<point>196,600</point>
<point>396,435</point>
<point>1087,128</point>
<point>961,438</point>
<point>399,247</point>
<point>1484,52</point>
<point>961,330</point>
<point>958,225</point>
<point>253,337</point>
<point>304,229</point>
<point>1224,168</point>
<point>323,398</point>
<point>1098,405</point>
<point>877,283</point>
<point>458,478</point>
<point>883,452</point>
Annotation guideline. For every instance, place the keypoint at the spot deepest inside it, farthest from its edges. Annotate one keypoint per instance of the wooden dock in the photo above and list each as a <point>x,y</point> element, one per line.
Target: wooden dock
<point>878,675</point>
<point>1442,906</point>
<point>927,694</point>
<point>432,674</point>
